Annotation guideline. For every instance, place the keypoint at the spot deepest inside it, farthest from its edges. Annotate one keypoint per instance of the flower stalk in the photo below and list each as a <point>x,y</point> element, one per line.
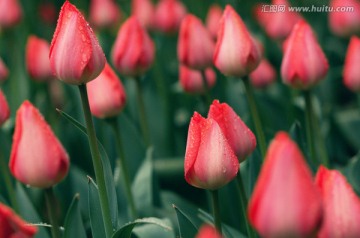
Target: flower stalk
<point>50,201</point>
<point>216,210</point>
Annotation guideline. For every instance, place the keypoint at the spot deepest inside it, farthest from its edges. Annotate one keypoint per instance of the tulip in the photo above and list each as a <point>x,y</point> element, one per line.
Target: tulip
<point>75,54</point>
<point>239,136</point>
<point>276,25</point>
<point>192,81</point>
<point>106,94</point>
<point>344,23</point>
<point>213,19</point>
<point>207,231</point>
<point>133,51</point>
<point>304,63</point>
<point>12,226</point>
<point>3,71</point>
<point>210,162</point>
<point>341,205</point>
<point>351,67</point>
<point>104,13</point>
<point>263,75</point>
<point>168,15</point>
<point>285,201</point>
<point>10,13</point>
<point>37,58</point>
<point>236,53</point>
<point>37,157</point>
<point>4,109</point>
<point>195,45</point>
<point>144,10</point>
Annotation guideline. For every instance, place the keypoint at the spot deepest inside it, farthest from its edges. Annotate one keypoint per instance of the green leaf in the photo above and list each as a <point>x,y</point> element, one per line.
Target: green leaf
<point>126,230</point>
<point>96,221</point>
<point>151,231</point>
<point>349,124</point>
<point>187,227</point>
<point>74,226</point>
<point>352,172</point>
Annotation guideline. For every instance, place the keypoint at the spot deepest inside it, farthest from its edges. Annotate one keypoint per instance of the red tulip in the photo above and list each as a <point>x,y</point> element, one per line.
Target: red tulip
<point>168,15</point>
<point>10,13</point>
<point>144,11</point>
<point>104,13</point>
<point>304,63</point>
<point>3,71</point>
<point>277,25</point>
<point>75,54</point>
<point>285,201</point>
<point>239,136</point>
<point>351,66</point>
<point>345,23</point>
<point>207,231</point>
<point>37,157</point>
<point>341,205</point>
<point>133,51</point>
<point>263,75</point>
<point>195,45</point>
<point>106,93</point>
<point>4,109</point>
<point>12,226</point>
<point>37,58</point>
<point>192,82</point>
<point>236,53</point>
<point>213,19</point>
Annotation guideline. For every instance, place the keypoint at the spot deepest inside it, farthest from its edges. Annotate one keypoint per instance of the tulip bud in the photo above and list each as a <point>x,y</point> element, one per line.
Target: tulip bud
<point>195,46</point>
<point>192,81</point>
<point>133,51</point>
<point>207,231</point>
<point>168,15</point>
<point>341,205</point>
<point>37,157</point>
<point>263,75</point>
<point>351,66</point>
<point>213,19</point>
<point>210,163</point>
<point>106,94</point>
<point>12,226</point>
<point>144,11</point>
<point>104,13</point>
<point>10,13</point>
<point>3,71</point>
<point>344,23</point>
<point>236,53</point>
<point>285,201</point>
<point>37,58</point>
<point>239,136</point>
<point>75,54</point>
<point>4,109</point>
<point>304,63</point>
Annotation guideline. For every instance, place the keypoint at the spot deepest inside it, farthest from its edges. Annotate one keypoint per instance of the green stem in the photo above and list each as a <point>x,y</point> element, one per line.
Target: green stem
<point>97,163</point>
<point>142,112</point>
<point>124,167</point>
<point>50,201</point>
<point>206,88</point>
<point>8,183</point>
<point>216,210</point>
<point>255,116</point>
<point>309,129</point>
<point>244,204</point>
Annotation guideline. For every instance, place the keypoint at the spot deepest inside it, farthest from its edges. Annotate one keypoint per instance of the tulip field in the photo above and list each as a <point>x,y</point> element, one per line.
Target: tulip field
<point>179,118</point>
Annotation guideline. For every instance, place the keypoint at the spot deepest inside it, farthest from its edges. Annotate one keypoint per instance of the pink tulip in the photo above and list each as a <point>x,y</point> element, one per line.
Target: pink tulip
<point>10,13</point>
<point>351,66</point>
<point>210,163</point>
<point>236,53</point>
<point>207,231</point>
<point>75,54</point>
<point>133,51</point>
<point>213,19</point>
<point>285,201</point>
<point>37,157</point>
<point>263,75</point>
<point>345,23</point>
<point>239,136</point>
<point>4,109</point>
<point>341,205</point>
<point>37,58</point>
<point>304,63</point>
<point>192,81</point>
<point>144,10</point>
<point>3,71</point>
<point>12,226</point>
<point>106,93</point>
<point>104,13</point>
<point>168,15</point>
